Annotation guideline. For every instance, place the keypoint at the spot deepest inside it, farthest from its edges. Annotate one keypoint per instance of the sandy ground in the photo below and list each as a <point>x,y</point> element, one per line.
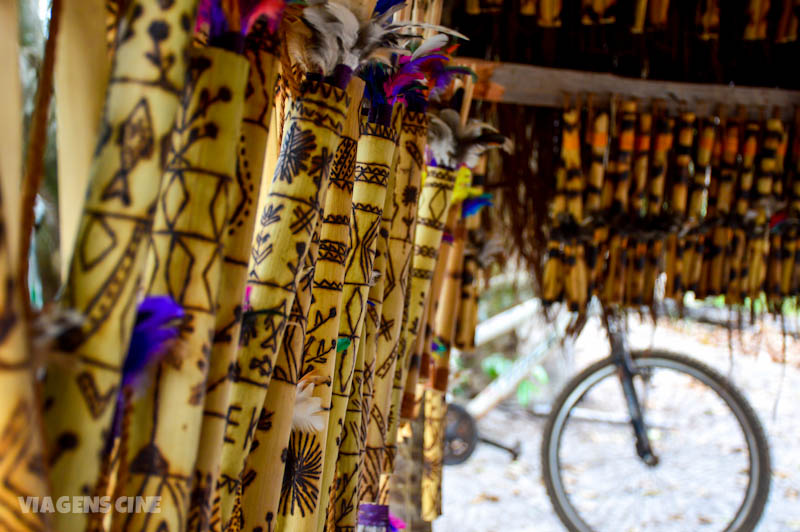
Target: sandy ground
<point>489,493</point>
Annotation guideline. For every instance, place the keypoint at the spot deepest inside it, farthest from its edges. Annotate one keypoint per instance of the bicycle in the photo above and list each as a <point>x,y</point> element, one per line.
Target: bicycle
<point>663,458</point>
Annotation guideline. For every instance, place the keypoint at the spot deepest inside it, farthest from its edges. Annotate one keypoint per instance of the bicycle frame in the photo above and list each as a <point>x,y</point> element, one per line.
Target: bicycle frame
<point>626,369</point>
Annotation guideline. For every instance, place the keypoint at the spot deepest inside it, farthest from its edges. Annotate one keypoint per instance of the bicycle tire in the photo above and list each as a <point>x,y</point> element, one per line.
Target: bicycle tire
<point>752,508</point>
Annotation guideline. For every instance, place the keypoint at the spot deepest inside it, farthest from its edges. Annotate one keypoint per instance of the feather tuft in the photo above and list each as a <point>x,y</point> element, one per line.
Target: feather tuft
<point>154,334</point>
<point>453,144</point>
<point>308,415</point>
<point>472,206</point>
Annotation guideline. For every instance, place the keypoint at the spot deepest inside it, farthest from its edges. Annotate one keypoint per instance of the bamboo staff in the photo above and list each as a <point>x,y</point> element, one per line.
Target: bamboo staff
<point>576,284</point>
<point>186,261</point>
<point>432,206</point>
<point>657,12</point>
<point>300,489</point>
<point>593,195</point>
<point>738,268</point>
<point>553,282</point>
<point>709,248</point>
<point>21,445</point>
<point>776,248</point>
<point>412,394</point>
<point>792,192</point>
<point>619,174</point>
<point>467,319</point>
<point>288,213</point>
<point>786,31</point>
<point>411,146</point>
<point>468,307</point>
<point>343,509</point>
<point>81,75</point>
<point>639,17</point>
<point>678,200</point>
<point>708,20</point>
<point>756,28</point>
<point>549,13</point>
<point>141,103</point>
<point>11,129</point>
<point>720,272</point>
<point>435,400</point>
<point>658,172</point>
<point>758,241</point>
<point>373,165</point>
<point>257,120</point>
<point>637,246</point>
<point>698,195</point>
<point>260,493</point>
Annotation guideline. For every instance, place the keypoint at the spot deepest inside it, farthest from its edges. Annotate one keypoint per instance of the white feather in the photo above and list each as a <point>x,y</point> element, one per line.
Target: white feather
<point>430,44</point>
<point>349,33</point>
<point>434,27</point>
<point>323,49</point>
<point>441,141</point>
<point>309,416</point>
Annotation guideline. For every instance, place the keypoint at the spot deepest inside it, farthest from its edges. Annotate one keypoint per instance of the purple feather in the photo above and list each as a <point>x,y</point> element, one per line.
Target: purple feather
<point>156,325</point>
<point>210,12</point>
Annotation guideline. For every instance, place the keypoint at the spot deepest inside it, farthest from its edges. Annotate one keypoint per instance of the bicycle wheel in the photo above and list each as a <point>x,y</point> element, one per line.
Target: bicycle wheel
<point>713,470</point>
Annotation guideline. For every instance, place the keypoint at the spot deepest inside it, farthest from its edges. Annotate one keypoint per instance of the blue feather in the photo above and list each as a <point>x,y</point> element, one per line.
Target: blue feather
<point>385,5</point>
<point>473,205</point>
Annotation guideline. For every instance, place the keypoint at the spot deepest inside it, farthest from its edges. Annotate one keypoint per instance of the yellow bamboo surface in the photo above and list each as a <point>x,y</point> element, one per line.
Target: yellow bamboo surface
<point>637,248</point>
<point>81,75</point>
<point>260,492</point>
<point>141,102</point>
<point>373,165</point>
<point>758,240</point>
<point>434,397</point>
<point>21,445</point>
<point>722,235</point>
<point>468,307</point>
<point>411,147</point>
<point>344,513</point>
<point>10,124</point>
<point>434,202</point>
<point>658,173</point>
<point>737,265</point>
<point>593,202</point>
<point>303,470</point>
<point>185,263</point>
<point>287,215</point>
<point>257,119</point>
<point>420,355</point>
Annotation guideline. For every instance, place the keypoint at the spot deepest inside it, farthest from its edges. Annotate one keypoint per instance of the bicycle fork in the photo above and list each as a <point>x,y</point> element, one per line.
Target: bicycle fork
<point>625,372</point>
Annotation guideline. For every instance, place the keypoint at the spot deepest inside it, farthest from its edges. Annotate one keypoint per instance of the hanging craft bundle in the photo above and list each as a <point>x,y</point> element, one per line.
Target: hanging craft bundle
<point>672,204</point>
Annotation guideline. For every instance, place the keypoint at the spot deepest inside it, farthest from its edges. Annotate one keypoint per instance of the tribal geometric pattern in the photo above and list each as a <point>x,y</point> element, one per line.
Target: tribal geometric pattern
<point>144,90</point>
<point>301,488</point>
<point>185,262</point>
<point>434,202</point>
<point>242,199</point>
<point>411,144</point>
<point>373,161</point>
<point>288,213</point>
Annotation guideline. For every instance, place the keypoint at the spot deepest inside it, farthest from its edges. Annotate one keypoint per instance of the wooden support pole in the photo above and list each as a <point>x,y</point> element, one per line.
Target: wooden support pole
<point>545,87</point>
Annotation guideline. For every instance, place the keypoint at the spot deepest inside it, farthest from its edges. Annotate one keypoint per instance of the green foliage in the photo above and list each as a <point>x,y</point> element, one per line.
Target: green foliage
<point>531,388</point>
<point>495,365</point>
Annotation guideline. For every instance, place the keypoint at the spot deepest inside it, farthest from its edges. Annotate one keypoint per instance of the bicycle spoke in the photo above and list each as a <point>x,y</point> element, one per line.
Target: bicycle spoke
<point>704,467</point>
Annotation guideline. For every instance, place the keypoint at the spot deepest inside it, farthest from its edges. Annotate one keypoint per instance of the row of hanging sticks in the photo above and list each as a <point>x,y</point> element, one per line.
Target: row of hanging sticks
<point>711,202</point>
